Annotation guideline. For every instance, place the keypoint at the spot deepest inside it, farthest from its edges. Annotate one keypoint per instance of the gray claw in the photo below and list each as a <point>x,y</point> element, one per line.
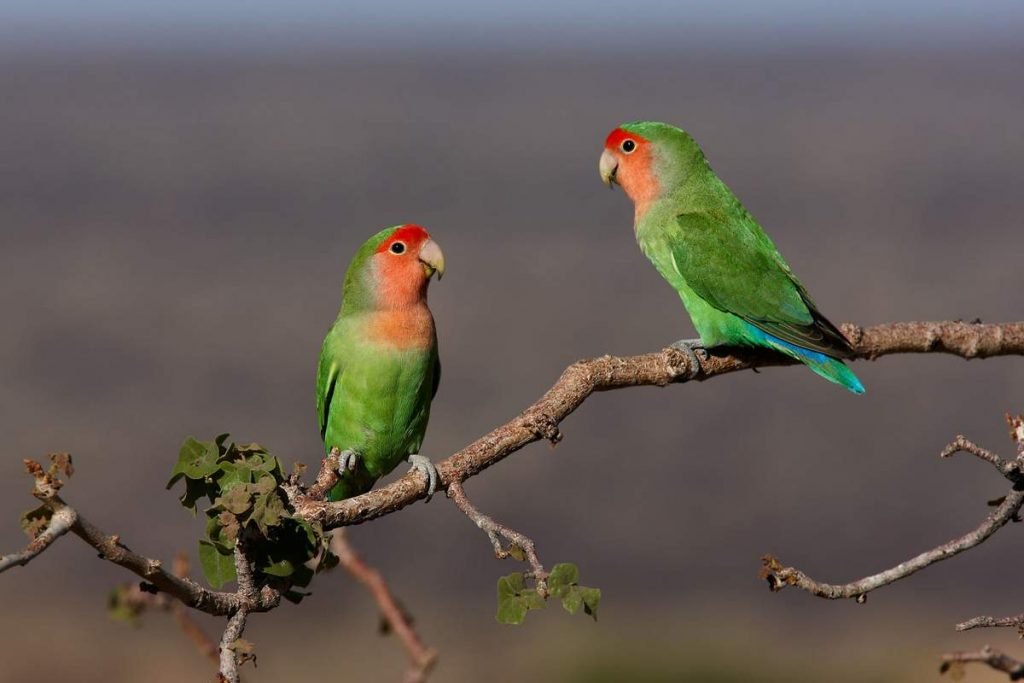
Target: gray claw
<point>421,463</point>
<point>690,348</point>
<point>347,461</point>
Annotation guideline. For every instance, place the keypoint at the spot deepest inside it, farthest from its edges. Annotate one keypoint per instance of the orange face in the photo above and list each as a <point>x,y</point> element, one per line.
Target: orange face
<point>628,159</point>
<point>403,265</point>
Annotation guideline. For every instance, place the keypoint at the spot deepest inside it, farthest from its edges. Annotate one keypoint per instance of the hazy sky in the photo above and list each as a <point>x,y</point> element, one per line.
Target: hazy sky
<point>574,24</point>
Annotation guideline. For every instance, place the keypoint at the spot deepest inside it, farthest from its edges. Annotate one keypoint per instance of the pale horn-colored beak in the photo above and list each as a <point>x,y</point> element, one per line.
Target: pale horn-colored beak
<point>607,166</point>
<point>432,258</point>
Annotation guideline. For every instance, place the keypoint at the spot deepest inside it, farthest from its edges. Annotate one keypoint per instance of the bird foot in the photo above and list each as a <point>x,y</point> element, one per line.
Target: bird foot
<point>690,347</point>
<point>421,463</point>
<point>347,460</point>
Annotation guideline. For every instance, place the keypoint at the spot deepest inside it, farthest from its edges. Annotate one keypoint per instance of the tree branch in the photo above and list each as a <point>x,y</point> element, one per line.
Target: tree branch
<point>247,596</point>
<point>581,379</point>
<point>779,576</point>
<point>993,658</point>
<point>228,657</point>
<point>421,658</point>
<point>216,603</point>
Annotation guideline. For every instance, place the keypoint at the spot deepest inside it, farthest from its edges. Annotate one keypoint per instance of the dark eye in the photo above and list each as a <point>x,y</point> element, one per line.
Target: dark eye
<point>398,248</point>
<point>628,146</point>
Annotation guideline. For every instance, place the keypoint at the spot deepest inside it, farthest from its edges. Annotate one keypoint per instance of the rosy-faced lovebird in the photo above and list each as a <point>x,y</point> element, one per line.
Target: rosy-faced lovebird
<point>379,368</point>
<point>733,282</point>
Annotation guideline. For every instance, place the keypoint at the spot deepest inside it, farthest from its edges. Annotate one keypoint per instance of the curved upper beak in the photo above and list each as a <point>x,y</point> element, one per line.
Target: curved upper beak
<point>432,258</point>
<point>608,166</point>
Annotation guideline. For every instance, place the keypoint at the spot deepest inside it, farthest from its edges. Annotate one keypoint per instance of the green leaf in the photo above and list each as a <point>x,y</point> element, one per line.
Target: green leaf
<point>563,577</point>
<point>267,511</point>
<point>511,585</point>
<point>237,500</point>
<point>515,599</point>
<point>196,460</point>
<point>573,600</point>
<point>511,611</point>
<point>532,599</point>
<point>266,484</point>
<point>517,552</point>
<point>217,567</point>
<point>279,568</point>
<point>233,474</point>
<point>591,599</point>
<point>194,490</point>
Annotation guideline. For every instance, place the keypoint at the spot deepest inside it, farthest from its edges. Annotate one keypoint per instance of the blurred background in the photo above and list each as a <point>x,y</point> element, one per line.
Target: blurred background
<point>182,185</point>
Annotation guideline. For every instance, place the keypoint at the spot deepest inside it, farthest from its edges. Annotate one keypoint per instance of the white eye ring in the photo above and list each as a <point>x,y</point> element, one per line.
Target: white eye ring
<point>398,248</point>
<point>628,146</point>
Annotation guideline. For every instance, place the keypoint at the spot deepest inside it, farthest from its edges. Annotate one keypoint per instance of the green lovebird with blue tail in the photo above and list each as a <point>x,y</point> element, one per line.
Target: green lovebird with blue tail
<point>733,282</point>
<point>379,367</point>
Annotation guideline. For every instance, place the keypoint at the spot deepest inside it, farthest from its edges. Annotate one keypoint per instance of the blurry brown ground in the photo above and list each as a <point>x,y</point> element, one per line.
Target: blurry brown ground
<point>173,234</point>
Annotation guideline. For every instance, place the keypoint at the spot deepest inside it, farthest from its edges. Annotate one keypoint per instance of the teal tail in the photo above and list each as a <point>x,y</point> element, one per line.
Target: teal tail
<point>832,369</point>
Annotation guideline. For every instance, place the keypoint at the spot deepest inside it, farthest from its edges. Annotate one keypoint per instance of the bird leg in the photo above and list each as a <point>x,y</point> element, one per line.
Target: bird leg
<point>421,463</point>
<point>690,348</point>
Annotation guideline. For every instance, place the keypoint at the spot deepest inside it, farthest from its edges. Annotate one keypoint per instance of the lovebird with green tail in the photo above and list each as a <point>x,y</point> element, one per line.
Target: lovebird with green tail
<point>733,282</point>
<point>379,367</point>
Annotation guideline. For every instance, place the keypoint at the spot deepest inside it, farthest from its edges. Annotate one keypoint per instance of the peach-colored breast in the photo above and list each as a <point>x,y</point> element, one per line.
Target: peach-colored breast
<point>408,327</point>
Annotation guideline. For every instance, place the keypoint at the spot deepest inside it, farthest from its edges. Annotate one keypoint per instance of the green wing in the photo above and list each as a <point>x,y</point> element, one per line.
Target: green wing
<point>327,375</point>
<point>730,262</point>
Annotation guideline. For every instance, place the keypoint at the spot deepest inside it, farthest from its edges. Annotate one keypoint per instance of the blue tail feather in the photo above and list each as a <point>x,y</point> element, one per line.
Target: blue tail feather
<point>832,369</point>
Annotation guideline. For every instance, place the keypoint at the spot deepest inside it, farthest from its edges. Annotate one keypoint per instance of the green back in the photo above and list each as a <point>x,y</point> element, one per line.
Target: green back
<point>726,269</point>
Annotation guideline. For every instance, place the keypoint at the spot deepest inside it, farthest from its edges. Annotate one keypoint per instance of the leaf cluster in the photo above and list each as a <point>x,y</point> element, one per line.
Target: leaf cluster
<point>516,598</point>
<point>242,483</point>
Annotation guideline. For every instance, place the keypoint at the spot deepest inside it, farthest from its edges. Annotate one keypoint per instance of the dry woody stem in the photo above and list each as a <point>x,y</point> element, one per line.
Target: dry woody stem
<point>421,658</point>
<point>495,532</point>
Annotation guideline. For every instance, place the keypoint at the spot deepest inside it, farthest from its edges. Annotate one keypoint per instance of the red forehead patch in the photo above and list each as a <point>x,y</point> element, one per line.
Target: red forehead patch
<point>409,233</point>
<point>616,137</point>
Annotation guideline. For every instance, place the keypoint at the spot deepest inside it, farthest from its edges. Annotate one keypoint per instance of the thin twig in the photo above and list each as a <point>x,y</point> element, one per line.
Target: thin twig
<point>216,603</point>
<point>60,523</point>
<point>496,532</point>
<point>993,658</point>
<point>991,622</point>
<point>1008,468</point>
<point>779,576</point>
<point>421,658</point>
<point>541,420</point>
